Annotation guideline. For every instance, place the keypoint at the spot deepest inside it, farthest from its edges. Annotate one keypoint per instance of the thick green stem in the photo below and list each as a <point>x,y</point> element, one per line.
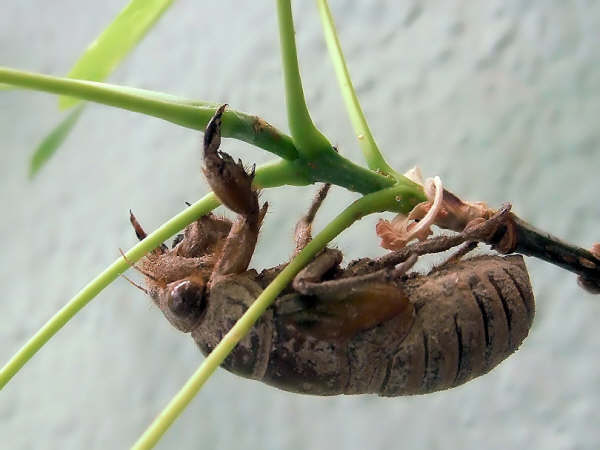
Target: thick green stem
<point>379,201</point>
<point>309,141</point>
<point>373,156</point>
<point>334,168</point>
<point>282,172</point>
<point>187,113</point>
<point>273,175</point>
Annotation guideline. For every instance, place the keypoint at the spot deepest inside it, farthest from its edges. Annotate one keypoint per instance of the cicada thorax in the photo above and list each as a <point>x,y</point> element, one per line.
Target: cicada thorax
<point>461,322</point>
<point>228,301</point>
<point>273,351</point>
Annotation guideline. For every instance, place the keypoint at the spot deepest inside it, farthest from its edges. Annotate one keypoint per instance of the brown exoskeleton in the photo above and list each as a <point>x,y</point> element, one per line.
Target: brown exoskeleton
<point>368,328</point>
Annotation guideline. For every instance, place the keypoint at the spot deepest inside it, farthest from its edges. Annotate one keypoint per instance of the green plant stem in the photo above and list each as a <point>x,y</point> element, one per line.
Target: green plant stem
<point>308,139</point>
<point>201,207</point>
<point>379,201</point>
<point>327,166</point>
<point>373,155</point>
<point>264,178</point>
<point>335,169</point>
<point>187,113</point>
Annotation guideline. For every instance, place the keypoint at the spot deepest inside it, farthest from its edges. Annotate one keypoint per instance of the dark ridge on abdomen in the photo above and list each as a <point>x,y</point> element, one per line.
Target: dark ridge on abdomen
<point>495,321</point>
<point>426,353</point>
<point>486,326</point>
<point>518,310</point>
<point>521,293</point>
<point>505,307</point>
<point>460,349</point>
<point>388,372</point>
<point>408,365</point>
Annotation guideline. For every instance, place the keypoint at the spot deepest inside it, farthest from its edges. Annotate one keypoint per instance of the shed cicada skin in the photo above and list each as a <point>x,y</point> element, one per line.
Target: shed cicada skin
<point>371,327</point>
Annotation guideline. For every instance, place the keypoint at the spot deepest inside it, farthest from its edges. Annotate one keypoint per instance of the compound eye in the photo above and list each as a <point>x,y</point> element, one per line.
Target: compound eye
<point>186,299</point>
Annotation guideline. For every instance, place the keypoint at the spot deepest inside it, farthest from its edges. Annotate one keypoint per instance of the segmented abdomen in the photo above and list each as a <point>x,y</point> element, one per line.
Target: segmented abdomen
<point>469,318</point>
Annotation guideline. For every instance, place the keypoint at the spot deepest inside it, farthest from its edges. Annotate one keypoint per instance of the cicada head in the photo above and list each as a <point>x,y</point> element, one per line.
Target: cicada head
<point>183,302</point>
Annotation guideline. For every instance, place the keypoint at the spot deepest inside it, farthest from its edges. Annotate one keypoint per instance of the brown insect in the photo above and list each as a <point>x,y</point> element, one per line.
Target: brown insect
<point>367,328</point>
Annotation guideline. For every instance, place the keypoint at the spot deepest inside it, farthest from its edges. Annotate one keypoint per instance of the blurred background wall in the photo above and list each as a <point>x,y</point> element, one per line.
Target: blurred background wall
<point>499,98</point>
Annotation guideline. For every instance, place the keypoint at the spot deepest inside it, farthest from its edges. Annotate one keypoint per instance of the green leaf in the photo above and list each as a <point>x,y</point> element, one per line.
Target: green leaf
<point>104,54</point>
<point>50,144</point>
<point>5,87</point>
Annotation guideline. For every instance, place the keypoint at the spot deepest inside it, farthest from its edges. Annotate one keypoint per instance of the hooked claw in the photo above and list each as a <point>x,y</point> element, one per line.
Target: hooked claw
<point>229,180</point>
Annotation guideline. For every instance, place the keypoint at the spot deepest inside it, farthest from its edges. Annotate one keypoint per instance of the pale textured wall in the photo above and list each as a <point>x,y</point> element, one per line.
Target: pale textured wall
<point>499,98</point>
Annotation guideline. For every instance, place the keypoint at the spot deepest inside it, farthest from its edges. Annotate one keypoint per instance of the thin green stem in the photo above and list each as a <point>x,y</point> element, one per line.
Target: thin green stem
<point>201,207</point>
<point>308,139</point>
<point>327,166</point>
<point>378,201</point>
<point>184,112</point>
<point>373,156</point>
<point>264,178</point>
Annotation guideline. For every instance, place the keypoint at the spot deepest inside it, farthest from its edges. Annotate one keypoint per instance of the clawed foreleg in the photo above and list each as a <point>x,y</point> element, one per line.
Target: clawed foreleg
<point>232,184</point>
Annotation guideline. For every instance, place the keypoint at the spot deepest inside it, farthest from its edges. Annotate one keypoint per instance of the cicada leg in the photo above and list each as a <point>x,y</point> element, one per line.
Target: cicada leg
<point>141,234</point>
<point>346,306</point>
<point>460,253</point>
<point>478,231</point>
<point>302,234</point>
<point>303,231</point>
<point>232,184</point>
<point>202,237</point>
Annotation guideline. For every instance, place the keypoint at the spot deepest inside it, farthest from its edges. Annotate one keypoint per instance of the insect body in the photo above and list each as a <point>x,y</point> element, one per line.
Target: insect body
<point>368,328</point>
<point>460,322</point>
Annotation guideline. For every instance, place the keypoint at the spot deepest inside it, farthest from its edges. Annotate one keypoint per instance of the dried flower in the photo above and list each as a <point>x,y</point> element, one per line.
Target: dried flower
<point>442,208</point>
